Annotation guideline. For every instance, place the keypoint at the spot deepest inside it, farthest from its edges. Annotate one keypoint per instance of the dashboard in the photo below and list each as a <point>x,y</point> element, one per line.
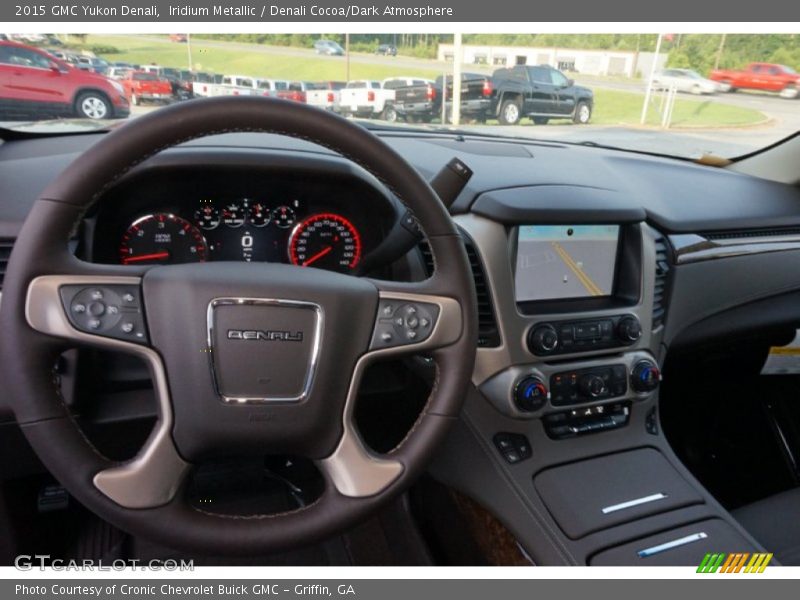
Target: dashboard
<point>590,265</point>
<point>183,215</point>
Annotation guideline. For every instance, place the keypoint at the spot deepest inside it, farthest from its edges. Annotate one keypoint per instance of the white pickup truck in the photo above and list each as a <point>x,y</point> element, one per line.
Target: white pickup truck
<point>364,98</point>
<point>239,85</point>
<point>325,94</point>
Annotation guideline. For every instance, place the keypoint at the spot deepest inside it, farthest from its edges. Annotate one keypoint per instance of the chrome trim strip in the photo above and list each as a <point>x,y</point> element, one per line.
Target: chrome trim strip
<point>695,537</point>
<point>153,477</point>
<point>692,248</point>
<point>631,503</point>
<point>315,349</point>
<point>353,469</point>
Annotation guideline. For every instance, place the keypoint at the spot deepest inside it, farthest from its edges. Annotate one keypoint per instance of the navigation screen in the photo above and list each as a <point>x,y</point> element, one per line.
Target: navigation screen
<point>565,261</point>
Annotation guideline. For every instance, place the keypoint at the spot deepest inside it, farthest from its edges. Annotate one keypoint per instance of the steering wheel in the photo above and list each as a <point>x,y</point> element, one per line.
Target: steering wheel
<point>245,358</point>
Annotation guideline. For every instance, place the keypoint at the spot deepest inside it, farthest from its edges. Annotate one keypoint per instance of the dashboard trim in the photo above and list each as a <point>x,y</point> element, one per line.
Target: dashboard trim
<point>693,248</point>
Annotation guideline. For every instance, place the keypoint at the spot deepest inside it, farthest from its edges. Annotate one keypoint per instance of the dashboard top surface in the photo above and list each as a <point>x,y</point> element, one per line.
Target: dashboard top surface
<point>672,195</point>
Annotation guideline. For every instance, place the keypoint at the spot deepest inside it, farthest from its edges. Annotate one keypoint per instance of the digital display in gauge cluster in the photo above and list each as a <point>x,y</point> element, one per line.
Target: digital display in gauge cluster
<point>244,229</point>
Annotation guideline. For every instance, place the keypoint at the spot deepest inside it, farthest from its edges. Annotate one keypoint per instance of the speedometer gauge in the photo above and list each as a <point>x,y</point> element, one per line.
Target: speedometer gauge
<point>327,241</point>
<point>162,238</point>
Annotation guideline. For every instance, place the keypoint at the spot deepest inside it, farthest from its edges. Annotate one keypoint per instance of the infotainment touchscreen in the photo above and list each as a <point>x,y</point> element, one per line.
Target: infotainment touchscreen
<point>565,261</point>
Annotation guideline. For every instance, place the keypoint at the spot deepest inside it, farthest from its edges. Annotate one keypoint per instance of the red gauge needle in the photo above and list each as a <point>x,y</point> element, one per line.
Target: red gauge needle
<point>141,257</point>
<point>317,256</point>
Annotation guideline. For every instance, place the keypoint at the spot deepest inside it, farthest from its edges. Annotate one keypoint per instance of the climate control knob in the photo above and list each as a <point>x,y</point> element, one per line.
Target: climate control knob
<point>645,376</point>
<point>530,394</point>
<point>628,329</point>
<point>592,386</point>
<point>543,339</point>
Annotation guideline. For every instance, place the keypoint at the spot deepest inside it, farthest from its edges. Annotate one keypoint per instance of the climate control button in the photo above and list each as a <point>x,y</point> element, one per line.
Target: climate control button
<point>530,394</point>
<point>645,376</point>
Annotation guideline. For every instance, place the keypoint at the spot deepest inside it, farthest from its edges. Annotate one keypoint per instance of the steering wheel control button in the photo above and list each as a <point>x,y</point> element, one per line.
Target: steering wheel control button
<point>403,323</point>
<point>110,311</point>
<point>588,385</point>
<point>513,447</point>
<point>530,394</point>
<point>645,376</point>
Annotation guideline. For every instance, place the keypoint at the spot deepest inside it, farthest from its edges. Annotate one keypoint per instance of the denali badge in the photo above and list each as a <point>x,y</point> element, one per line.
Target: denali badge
<point>268,336</point>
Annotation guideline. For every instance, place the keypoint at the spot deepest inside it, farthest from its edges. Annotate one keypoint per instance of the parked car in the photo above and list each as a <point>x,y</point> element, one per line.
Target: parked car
<point>93,63</point>
<point>476,96</point>
<point>295,91</point>
<point>684,80</point>
<point>364,98</point>
<point>767,77</point>
<point>172,75</point>
<point>180,38</point>
<point>386,50</point>
<point>328,47</point>
<point>539,92</point>
<point>118,72</point>
<point>414,99</point>
<point>142,86</point>
<point>32,82</point>
<point>325,94</point>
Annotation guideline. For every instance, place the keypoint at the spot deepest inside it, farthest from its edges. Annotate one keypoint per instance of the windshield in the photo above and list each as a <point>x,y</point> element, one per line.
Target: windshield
<point>668,94</point>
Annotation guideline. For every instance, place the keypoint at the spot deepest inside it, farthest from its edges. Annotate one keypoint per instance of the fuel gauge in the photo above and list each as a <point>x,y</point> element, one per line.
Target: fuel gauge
<point>258,214</point>
<point>284,217</point>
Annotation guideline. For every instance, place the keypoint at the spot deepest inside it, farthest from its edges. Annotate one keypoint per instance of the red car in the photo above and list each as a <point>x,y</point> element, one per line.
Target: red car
<point>35,84</point>
<point>767,77</point>
<point>142,86</point>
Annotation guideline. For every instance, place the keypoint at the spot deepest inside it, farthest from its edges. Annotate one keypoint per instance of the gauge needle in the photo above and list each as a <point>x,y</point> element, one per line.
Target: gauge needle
<point>141,257</point>
<point>317,256</point>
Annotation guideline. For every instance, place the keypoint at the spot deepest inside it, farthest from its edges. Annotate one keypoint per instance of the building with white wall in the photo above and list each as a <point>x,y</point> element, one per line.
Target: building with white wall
<point>588,62</point>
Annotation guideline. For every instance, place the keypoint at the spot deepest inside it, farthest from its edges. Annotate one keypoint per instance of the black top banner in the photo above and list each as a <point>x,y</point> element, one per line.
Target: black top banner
<point>397,11</point>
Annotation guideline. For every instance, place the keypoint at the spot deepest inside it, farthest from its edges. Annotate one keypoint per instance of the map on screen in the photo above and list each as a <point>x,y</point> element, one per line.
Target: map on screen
<point>565,261</point>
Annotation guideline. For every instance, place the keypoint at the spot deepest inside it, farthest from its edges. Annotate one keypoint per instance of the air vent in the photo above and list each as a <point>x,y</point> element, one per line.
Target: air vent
<point>660,288</point>
<point>488,333</point>
<point>753,233</point>
<point>5,253</point>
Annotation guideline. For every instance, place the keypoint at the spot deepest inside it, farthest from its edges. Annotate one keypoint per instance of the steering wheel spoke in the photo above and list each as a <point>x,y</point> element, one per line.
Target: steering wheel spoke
<point>107,312</point>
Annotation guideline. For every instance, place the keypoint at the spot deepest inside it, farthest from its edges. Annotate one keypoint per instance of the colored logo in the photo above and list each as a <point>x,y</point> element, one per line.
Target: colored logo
<point>740,562</point>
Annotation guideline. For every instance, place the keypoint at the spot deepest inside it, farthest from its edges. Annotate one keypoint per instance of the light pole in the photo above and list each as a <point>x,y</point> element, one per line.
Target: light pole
<point>650,80</point>
<point>189,49</point>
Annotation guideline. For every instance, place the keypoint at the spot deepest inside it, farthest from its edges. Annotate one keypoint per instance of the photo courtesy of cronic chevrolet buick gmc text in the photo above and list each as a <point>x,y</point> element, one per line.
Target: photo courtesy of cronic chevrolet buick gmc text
<point>243,330</point>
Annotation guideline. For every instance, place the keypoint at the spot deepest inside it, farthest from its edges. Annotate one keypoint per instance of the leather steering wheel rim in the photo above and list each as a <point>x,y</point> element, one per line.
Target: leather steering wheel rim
<point>34,334</point>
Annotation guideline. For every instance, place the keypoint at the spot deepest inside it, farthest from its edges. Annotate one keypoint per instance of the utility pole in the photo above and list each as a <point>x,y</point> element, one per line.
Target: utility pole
<point>650,80</point>
<point>719,51</point>
<point>456,98</point>
<point>189,49</point>
<point>347,56</point>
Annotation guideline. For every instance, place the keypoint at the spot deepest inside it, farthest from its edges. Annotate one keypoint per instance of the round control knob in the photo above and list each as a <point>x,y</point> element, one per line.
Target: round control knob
<point>530,394</point>
<point>543,339</point>
<point>628,329</point>
<point>645,376</point>
<point>592,386</point>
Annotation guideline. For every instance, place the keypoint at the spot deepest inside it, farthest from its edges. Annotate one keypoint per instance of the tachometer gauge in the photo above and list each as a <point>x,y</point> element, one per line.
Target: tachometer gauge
<point>233,214</point>
<point>327,241</point>
<point>258,214</point>
<point>207,216</point>
<point>284,217</point>
<point>162,238</point>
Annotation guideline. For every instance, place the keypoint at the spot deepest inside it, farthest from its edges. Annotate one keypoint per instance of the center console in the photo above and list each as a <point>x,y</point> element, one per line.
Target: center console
<point>560,437</point>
